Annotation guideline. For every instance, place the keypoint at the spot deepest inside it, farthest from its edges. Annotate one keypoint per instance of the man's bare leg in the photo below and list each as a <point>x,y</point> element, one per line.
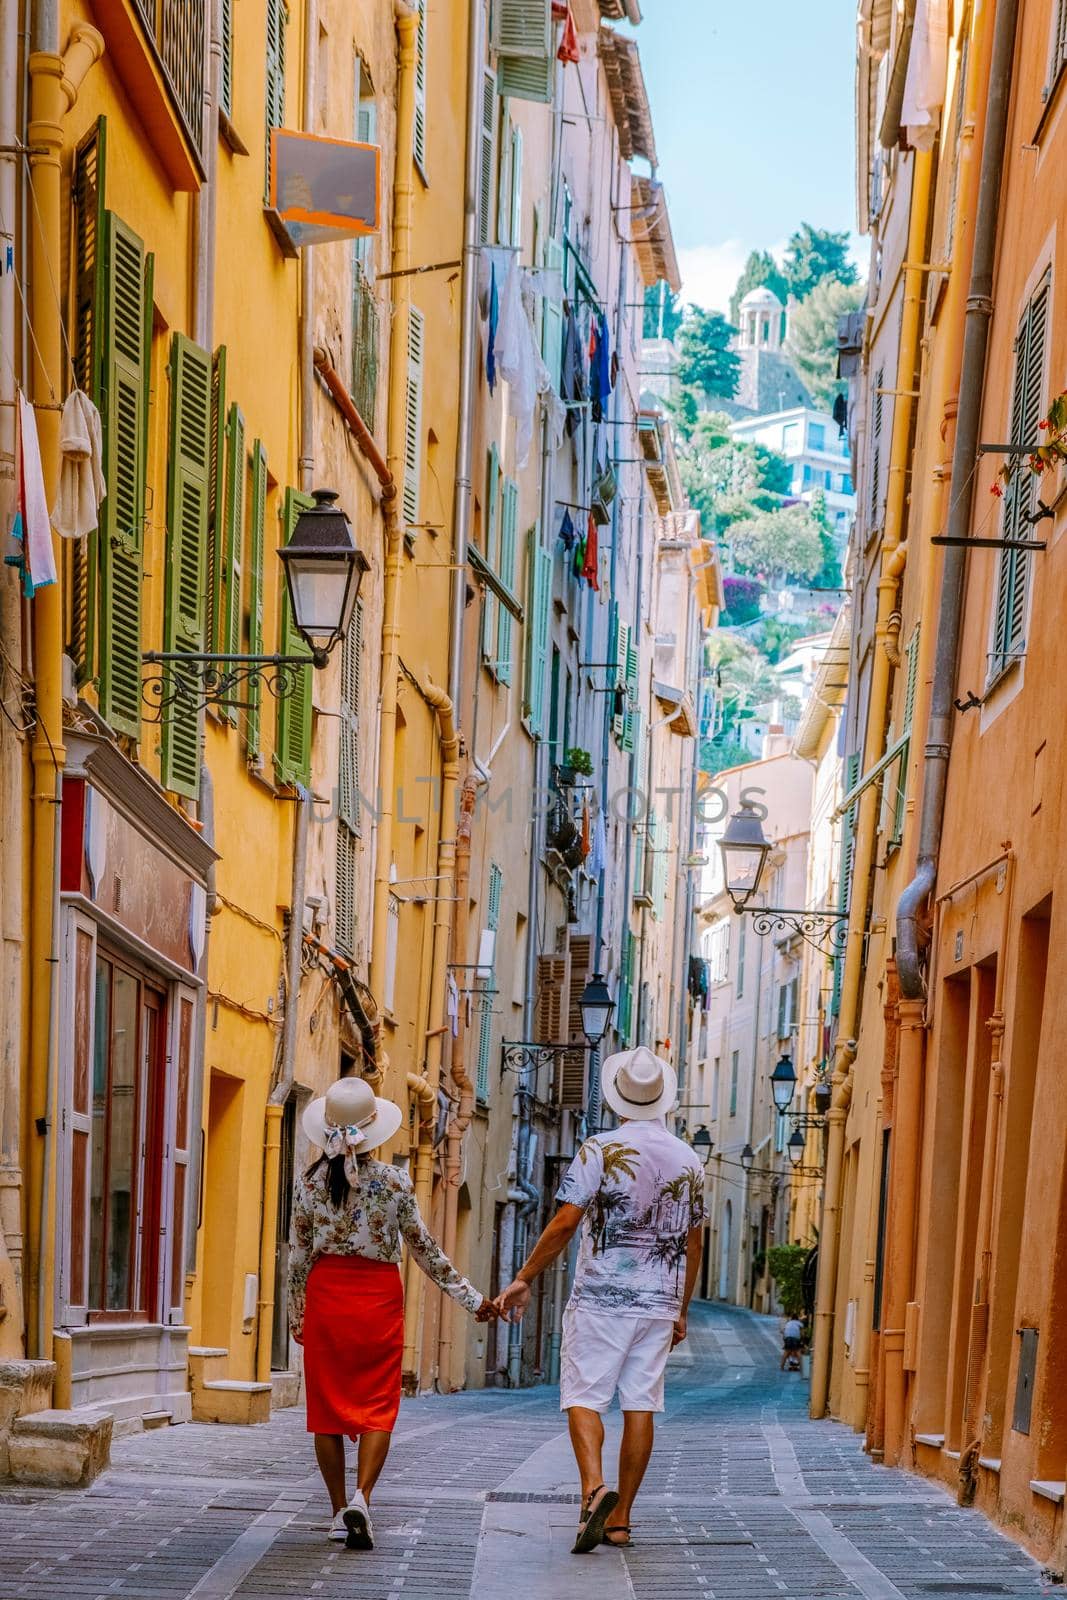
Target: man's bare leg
<point>635,1451</point>
<point>587,1442</point>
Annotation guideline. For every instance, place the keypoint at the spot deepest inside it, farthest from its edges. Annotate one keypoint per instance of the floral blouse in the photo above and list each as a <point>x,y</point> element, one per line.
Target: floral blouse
<point>377,1215</point>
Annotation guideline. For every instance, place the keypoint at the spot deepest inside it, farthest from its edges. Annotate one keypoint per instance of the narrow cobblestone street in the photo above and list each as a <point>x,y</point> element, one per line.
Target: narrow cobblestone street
<point>745,1497</point>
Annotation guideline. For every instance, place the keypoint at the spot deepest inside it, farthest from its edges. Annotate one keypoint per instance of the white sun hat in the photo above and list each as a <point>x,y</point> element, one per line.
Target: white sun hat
<point>352,1109</point>
<point>638,1085</point>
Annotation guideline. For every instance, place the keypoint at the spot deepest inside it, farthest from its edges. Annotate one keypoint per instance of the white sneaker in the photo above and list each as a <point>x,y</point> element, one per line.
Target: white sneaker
<point>338,1532</point>
<point>356,1518</point>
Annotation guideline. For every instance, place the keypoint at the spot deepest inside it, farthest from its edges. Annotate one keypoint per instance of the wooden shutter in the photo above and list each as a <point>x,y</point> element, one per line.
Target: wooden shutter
<point>877,412</point>
<point>420,90</point>
<point>912,654</point>
<point>552,328</point>
<point>539,601</point>
<point>844,873</point>
<point>89,248</point>
<point>508,536</point>
<point>621,654</point>
<point>484,1002</point>
<point>128,298</point>
<point>548,1010</point>
<point>292,746</point>
<point>515,232</point>
<point>492,554</point>
<point>504,176</point>
<point>487,158</point>
<point>226,70</point>
<point>214,631</point>
<point>492,907</point>
<point>1059,43</point>
<point>631,715</point>
<point>522,37</point>
<point>184,606</point>
<point>277,19</point>
<point>571,1083</point>
<point>412,499</point>
<point>234,541</point>
<point>1028,400</point>
<point>257,531</point>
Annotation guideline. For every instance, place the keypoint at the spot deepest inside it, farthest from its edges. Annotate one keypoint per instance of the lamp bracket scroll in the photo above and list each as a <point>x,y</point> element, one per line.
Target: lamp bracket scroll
<point>826,931</point>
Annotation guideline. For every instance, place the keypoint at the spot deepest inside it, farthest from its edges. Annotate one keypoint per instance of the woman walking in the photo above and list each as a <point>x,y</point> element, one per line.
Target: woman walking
<point>346,1301</point>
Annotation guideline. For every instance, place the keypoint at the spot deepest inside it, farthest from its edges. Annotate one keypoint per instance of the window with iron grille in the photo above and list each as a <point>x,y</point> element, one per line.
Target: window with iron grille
<point>176,29</point>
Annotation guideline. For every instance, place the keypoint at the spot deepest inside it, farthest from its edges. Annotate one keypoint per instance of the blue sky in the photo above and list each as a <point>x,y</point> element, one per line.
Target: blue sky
<point>752,102</point>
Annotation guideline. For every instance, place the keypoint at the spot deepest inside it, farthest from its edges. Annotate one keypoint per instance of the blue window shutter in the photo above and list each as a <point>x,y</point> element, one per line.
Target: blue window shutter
<point>508,536</point>
<point>539,601</point>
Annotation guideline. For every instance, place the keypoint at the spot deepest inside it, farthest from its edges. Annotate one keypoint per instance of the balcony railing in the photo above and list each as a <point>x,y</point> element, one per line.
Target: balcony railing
<point>176,28</point>
<point>364,345</point>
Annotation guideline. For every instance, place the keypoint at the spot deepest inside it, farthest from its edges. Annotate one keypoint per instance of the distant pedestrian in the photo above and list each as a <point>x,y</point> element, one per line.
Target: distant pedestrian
<point>346,1301</point>
<point>640,1193</point>
<point>792,1342</point>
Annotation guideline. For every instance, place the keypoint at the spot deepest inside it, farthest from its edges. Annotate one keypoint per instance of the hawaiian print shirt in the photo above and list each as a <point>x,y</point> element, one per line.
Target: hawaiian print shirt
<point>380,1213</point>
<point>642,1190</point>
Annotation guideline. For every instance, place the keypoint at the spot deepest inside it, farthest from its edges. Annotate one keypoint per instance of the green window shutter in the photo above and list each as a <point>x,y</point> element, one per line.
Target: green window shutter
<point>901,797</point>
<point>492,552</point>
<point>184,600</point>
<point>503,184</point>
<point>233,541</point>
<point>292,742</point>
<point>552,331</point>
<point>496,884</point>
<point>508,539</point>
<point>277,21</point>
<point>1028,400</point>
<point>516,187</point>
<point>420,90</point>
<point>844,872</point>
<point>630,715</point>
<point>412,499</point>
<point>522,37</point>
<point>226,71</point>
<point>214,632</point>
<point>621,654</point>
<point>485,1037</point>
<point>487,157</point>
<point>89,252</point>
<point>257,534</point>
<point>539,603</point>
<point>125,362</point>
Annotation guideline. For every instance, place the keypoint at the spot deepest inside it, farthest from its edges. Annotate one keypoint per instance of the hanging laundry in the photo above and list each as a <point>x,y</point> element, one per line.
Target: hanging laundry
<point>591,560</point>
<point>587,832</point>
<point>81,478</point>
<point>520,364</point>
<point>453,1004</point>
<point>572,389</point>
<point>567,532</point>
<point>560,10</point>
<point>569,51</point>
<point>494,323</point>
<point>578,564</point>
<point>924,84</point>
<point>598,854</point>
<point>38,553</point>
<point>600,379</point>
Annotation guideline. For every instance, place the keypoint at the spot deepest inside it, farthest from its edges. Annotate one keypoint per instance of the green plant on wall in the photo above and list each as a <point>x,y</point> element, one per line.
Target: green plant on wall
<point>786,1265</point>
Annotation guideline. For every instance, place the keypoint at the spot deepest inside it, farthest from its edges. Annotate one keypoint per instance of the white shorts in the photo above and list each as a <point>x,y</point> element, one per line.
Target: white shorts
<point>603,1351</point>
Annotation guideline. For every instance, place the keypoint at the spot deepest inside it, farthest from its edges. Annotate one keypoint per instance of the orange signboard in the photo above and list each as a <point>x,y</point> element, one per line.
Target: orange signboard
<point>323,188</point>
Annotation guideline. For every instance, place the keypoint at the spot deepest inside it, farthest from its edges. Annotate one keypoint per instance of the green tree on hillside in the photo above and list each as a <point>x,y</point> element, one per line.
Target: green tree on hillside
<point>760,268</point>
<point>663,312</point>
<point>814,254</point>
<point>727,478</point>
<point>707,366</point>
<point>813,335</point>
<point>783,544</point>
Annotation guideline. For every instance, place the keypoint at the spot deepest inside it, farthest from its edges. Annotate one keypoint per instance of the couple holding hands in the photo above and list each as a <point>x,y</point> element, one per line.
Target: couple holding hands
<point>639,1192</point>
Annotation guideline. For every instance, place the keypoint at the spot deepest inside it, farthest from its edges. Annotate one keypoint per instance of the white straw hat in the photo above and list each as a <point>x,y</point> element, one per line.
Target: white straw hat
<point>638,1085</point>
<point>351,1105</point>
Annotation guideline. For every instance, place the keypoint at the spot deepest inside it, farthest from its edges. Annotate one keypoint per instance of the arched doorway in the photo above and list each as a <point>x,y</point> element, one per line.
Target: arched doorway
<point>724,1251</point>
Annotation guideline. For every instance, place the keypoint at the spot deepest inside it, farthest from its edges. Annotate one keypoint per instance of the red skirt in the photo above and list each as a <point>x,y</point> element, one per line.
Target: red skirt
<point>353,1345</point>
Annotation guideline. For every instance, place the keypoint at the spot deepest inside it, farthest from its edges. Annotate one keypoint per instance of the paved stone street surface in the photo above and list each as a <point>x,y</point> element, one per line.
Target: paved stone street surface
<point>745,1497</point>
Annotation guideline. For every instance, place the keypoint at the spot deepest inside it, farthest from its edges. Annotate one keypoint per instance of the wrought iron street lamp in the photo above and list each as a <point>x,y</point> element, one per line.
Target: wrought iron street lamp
<point>745,848</point>
<point>748,1156</point>
<point>597,1008</point>
<point>796,1146</point>
<point>324,568</point>
<point>783,1083</point>
<point>703,1144</point>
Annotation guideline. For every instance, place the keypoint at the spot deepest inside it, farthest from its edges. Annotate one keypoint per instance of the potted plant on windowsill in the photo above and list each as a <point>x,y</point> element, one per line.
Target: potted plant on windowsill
<point>579,764</point>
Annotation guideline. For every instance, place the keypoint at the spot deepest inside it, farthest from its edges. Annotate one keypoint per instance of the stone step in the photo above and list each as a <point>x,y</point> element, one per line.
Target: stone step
<point>64,1449</point>
<point>207,1362</point>
<point>285,1388</point>
<point>237,1400</point>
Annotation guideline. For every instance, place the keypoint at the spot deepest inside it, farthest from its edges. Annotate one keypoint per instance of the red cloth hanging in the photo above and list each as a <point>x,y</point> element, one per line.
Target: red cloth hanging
<point>591,564</point>
<point>587,840</point>
<point>559,10</point>
<point>568,44</point>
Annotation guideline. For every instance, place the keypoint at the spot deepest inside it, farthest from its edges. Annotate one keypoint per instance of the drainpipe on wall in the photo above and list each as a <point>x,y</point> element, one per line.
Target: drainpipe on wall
<point>403,191</point>
<point>306,463</point>
<point>894,559</point>
<point>54,83</point>
<point>964,454</point>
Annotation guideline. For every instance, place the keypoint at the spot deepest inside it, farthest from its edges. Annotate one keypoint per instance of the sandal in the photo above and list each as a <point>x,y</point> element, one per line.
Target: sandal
<point>595,1513</point>
<point>625,1543</point>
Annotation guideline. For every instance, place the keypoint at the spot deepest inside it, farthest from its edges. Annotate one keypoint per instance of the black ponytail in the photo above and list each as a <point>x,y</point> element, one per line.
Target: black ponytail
<point>337,1179</point>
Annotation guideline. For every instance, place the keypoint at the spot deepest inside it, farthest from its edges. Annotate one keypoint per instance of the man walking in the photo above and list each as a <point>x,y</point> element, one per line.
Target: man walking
<point>640,1193</point>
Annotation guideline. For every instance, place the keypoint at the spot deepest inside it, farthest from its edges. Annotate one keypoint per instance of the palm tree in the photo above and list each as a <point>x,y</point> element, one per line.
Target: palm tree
<point>606,1203</point>
<point>619,1158</point>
